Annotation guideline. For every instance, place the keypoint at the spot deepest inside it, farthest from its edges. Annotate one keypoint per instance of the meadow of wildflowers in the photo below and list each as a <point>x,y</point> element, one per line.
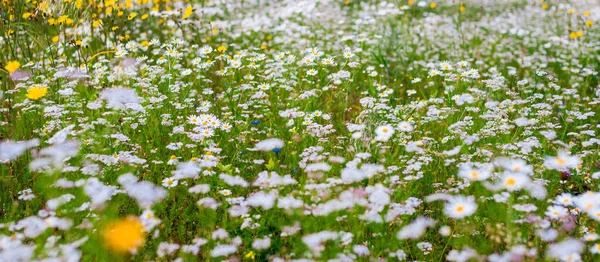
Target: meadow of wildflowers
<point>297,130</point>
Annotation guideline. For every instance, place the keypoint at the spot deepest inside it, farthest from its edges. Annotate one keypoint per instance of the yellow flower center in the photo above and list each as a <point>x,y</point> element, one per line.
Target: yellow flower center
<point>588,206</point>
<point>474,174</point>
<point>510,181</point>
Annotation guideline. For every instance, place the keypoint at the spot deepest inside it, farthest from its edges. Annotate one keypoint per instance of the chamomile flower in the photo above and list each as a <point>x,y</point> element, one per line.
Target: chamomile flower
<point>328,61</point>
<point>172,160</point>
<point>515,165</point>
<point>205,50</point>
<point>556,212</point>
<point>193,119</point>
<point>562,161</point>
<point>169,182</point>
<point>348,53</point>
<point>460,206</point>
<point>264,86</point>
<point>587,201</point>
<point>595,249</point>
<point>475,174</point>
<point>513,182</point>
<point>564,199</point>
<point>594,214</point>
<point>405,126</point>
<point>384,133</point>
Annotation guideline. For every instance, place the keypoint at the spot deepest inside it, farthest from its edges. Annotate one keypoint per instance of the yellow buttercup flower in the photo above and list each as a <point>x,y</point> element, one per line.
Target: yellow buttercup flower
<point>12,66</point>
<point>188,12</point>
<point>97,23</point>
<point>131,16</point>
<point>36,92</point>
<point>125,235</point>
<point>573,35</point>
<point>250,255</point>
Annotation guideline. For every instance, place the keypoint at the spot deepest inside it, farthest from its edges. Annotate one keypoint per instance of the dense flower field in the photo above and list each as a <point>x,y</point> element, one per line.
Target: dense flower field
<point>298,130</point>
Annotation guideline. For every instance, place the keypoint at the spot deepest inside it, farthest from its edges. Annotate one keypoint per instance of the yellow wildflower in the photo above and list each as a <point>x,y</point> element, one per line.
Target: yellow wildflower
<point>250,255</point>
<point>188,12</point>
<point>12,66</point>
<point>132,16</point>
<point>125,235</point>
<point>36,92</point>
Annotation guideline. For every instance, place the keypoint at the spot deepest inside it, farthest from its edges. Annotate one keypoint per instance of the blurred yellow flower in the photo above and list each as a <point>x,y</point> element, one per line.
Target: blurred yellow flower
<point>36,92</point>
<point>132,16</point>
<point>250,255</point>
<point>573,35</point>
<point>188,12</point>
<point>12,66</point>
<point>124,235</point>
<point>97,23</point>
